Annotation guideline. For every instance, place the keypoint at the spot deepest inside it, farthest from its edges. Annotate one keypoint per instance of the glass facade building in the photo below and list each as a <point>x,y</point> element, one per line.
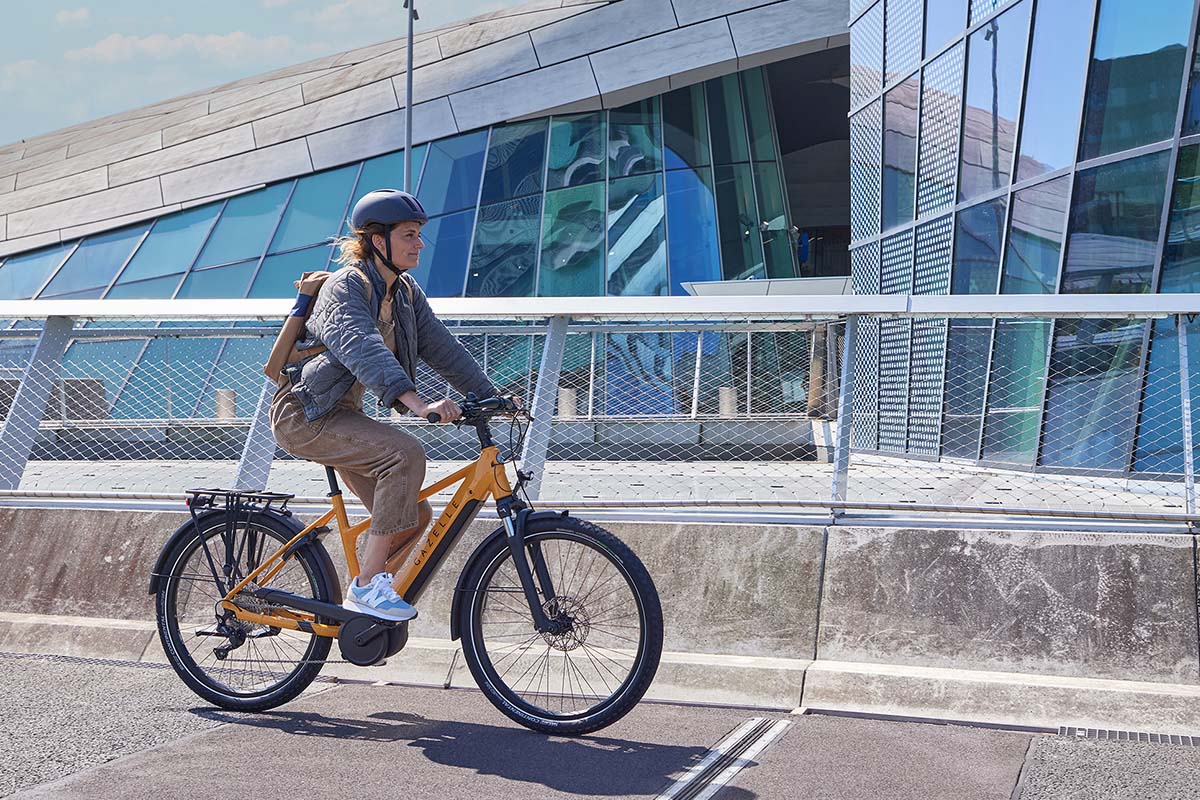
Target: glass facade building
<point>1003,147</point>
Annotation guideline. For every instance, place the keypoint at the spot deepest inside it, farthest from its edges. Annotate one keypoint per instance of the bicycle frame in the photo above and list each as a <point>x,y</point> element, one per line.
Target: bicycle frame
<point>486,477</point>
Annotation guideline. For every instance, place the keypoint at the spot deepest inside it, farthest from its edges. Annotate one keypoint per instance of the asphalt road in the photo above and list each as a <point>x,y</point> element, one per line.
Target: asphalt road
<point>82,730</point>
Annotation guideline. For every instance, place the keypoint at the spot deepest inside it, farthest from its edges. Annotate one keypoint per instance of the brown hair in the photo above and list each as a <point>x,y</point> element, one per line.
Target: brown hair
<point>357,247</point>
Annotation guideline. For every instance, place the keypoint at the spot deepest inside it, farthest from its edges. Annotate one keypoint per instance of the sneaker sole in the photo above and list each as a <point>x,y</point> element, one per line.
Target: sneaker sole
<point>351,605</point>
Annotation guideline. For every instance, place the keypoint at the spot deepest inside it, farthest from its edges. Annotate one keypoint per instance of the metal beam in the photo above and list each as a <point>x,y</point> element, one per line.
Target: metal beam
<point>42,374</point>
<point>537,439</point>
<point>258,452</point>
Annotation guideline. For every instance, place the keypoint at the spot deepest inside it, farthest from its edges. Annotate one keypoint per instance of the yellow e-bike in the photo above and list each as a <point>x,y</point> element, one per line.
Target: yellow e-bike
<point>559,621</point>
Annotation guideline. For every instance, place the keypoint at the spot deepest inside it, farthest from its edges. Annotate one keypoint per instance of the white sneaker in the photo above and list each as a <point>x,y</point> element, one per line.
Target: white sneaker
<point>378,599</point>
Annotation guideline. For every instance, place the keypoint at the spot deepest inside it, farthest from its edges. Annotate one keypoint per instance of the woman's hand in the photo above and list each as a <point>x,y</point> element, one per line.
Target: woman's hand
<point>447,409</point>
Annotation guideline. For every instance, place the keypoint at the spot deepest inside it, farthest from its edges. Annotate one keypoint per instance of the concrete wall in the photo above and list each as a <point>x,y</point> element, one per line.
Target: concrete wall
<point>1042,628</point>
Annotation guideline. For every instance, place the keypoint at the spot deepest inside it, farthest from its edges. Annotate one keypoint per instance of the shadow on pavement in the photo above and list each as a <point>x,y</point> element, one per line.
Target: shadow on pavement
<point>592,765</point>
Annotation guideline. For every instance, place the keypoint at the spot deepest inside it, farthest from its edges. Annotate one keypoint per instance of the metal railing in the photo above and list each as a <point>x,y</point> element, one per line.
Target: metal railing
<point>1021,404</point>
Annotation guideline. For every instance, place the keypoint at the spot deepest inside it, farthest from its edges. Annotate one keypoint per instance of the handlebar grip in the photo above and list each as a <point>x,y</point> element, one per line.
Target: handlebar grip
<point>433,417</point>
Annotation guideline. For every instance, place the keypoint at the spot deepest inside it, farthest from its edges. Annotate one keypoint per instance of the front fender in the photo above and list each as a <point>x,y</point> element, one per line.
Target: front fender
<point>461,588</point>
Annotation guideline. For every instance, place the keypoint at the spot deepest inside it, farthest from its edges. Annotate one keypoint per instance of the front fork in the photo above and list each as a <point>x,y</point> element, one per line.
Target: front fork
<point>528,560</point>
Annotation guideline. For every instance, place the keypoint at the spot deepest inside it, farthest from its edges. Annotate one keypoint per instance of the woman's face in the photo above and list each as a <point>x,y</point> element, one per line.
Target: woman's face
<point>406,244</point>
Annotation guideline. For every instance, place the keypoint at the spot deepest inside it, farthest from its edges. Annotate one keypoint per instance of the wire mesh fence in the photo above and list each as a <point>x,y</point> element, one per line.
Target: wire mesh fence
<point>1022,415</point>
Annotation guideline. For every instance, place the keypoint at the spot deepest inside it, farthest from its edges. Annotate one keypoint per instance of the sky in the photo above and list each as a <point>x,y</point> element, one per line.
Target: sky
<point>63,63</point>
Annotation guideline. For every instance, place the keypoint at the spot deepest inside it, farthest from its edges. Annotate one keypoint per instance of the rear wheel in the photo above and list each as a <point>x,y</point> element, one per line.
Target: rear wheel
<point>597,668</point>
<point>232,663</point>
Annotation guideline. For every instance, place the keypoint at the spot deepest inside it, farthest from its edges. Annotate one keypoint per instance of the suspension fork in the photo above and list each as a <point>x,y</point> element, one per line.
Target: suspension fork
<point>529,561</point>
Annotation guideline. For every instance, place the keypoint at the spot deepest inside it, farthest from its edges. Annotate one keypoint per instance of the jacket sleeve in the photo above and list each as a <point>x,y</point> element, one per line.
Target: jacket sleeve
<point>350,333</point>
<point>441,350</point>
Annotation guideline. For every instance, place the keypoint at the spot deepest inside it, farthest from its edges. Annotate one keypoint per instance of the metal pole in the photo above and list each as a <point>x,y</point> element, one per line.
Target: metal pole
<point>845,413</point>
<point>19,432</point>
<point>1185,402</point>
<point>258,453</point>
<point>412,10</point>
<point>537,441</point>
<point>696,375</point>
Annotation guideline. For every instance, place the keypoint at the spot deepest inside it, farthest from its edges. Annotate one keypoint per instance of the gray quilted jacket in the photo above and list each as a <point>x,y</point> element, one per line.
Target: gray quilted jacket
<point>343,320</point>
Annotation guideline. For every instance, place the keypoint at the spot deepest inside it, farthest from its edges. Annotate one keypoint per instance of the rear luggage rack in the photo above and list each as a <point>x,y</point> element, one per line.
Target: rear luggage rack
<point>238,500</point>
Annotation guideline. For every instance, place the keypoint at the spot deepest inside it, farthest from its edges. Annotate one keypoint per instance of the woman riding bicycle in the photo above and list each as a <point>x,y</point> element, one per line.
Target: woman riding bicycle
<point>370,323</point>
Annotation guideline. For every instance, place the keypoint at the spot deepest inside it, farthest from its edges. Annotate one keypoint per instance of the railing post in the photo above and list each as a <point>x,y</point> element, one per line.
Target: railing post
<point>1185,403</point>
<point>537,439</point>
<point>258,452</point>
<point>845,413</point>
<point>44,370</point>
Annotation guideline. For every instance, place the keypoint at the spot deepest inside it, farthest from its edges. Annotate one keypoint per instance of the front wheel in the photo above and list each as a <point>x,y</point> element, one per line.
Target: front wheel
<point>596,669</point>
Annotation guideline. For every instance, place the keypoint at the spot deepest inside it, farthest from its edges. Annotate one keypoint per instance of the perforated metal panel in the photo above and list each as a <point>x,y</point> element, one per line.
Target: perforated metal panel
<point>903,39</point>
<point>864,276</point>
<point>896,264</point>
<point>864,269</point>
<point>931,267</point>
<point>857,6</point>
<point>927,368</point>
<point>866,154</point>
<point>981,8</point>
<point>895,277</point>
<point>866,56</point>
<point>941,109</point>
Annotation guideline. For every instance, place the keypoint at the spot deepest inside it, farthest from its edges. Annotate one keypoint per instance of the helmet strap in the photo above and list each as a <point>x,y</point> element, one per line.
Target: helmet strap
<point>386,259</point>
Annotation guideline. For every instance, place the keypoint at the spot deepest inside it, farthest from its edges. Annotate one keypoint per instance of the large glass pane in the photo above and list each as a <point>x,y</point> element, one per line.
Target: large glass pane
<point>773,223</point>
<point>95,261</point>
<point>504,258</point>
<point>516,155</point>
<point>638,374</point>
<point>995,67</point>
<point>442,269</point>
<point>1191,116</point>
<point>167,380</point>
<point>577,150</point>
<point>105,364</point>
<point>944,20</point>
<point>1181,258</point>
<point>1015,391</point>
<point>637,247</point>
<point>966,383</point>
<point>634,139</point>
<point>453,168</point>
<point>153,288</point>
<point>172,244</point>
<point>23,275</point>
<point>1137,64</point>
<point>239,371</point>
<point>1095,384</point>
<point>1057,70</point>
<point>1115,217</point>
<point>977,238</point>
<point>737,220</point>
<point>229,281</point>
<point>573,242</point>
<point>316,209</point>
<point>726,123</point>
<point>1160,421</point>
<point>692,242</point>
<point>758,115</point>
<point>903,40</point>
<point>900,153</point>
<point>385,172</point>
<point>244,226</point>
<point>685,127</point>
<point>277,275</point>
<point>1039,218</point>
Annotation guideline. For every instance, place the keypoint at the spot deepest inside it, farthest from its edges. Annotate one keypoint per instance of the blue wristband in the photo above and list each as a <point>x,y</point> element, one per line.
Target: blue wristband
<point>303,301</point>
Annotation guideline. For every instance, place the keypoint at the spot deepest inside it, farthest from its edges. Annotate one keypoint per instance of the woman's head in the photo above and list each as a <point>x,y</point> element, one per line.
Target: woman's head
<point>386,224</point>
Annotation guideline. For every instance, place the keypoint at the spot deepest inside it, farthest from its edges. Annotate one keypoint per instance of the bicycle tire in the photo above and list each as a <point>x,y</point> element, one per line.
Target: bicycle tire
<point>484,652</point>
<point>207,681</point>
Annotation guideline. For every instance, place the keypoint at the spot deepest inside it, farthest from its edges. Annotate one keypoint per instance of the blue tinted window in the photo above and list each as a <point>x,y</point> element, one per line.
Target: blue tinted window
<point>727,125</point>
<point>900,153</point>
<point>577,150</point>
<point>638,374</point>
<point>1160,429</point>
<point>1012,425</point>
<point>995,68</point>
<point>758,115</point>
<point>92,361</point>
<point>737,220</point>
<point>95,261</point>
<point>1181,258</point>
<point>23,275</point>
<point>153,288</point>
<point>944,20</point>
<point>239,370</point>
<point>1057,69</point>
<point>635,138</point>
<point>453,168</point>
<point>230,281</point>
<point>315,210</point>
<point>1035,234</point>
<point>692,222</point>
<point>637,248</point>
<point>573,243</point>
<point>277,275</point>
<point>516,155</point>
<point>685,128</point>
<point>167,379</point>
<point>387,172</point>
<point>172,244</point>
<point>1137,64</point>
<point>504,258</point>
<point>772,221</point>
<point>245,225</point>
<point>1114,222</point>
<point>442,267</point>
<point>977,248</point>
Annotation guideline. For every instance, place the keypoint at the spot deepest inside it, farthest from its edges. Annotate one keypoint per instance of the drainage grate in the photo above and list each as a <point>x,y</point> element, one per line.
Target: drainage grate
<point>1102,735</point>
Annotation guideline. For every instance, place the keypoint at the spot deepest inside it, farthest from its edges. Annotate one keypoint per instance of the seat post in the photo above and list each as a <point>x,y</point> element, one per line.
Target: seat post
<point>334,489</point>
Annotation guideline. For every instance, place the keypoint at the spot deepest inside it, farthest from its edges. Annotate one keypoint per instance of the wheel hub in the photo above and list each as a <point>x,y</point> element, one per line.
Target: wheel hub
<point>573,624</point>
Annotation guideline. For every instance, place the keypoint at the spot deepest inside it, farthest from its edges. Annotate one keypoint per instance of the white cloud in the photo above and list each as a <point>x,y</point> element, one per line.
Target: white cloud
<point>65,17</point>
<point>276,3</point>
<point>231,47</point>
<point>16,74</point>
<point>348,13</point>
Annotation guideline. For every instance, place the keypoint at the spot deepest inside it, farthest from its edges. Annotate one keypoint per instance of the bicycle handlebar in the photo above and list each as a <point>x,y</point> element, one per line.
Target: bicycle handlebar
<point>479,409</point>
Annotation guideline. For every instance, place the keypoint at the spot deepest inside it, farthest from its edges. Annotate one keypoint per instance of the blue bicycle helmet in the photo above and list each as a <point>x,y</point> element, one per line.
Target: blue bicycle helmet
<point>386,207</point>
